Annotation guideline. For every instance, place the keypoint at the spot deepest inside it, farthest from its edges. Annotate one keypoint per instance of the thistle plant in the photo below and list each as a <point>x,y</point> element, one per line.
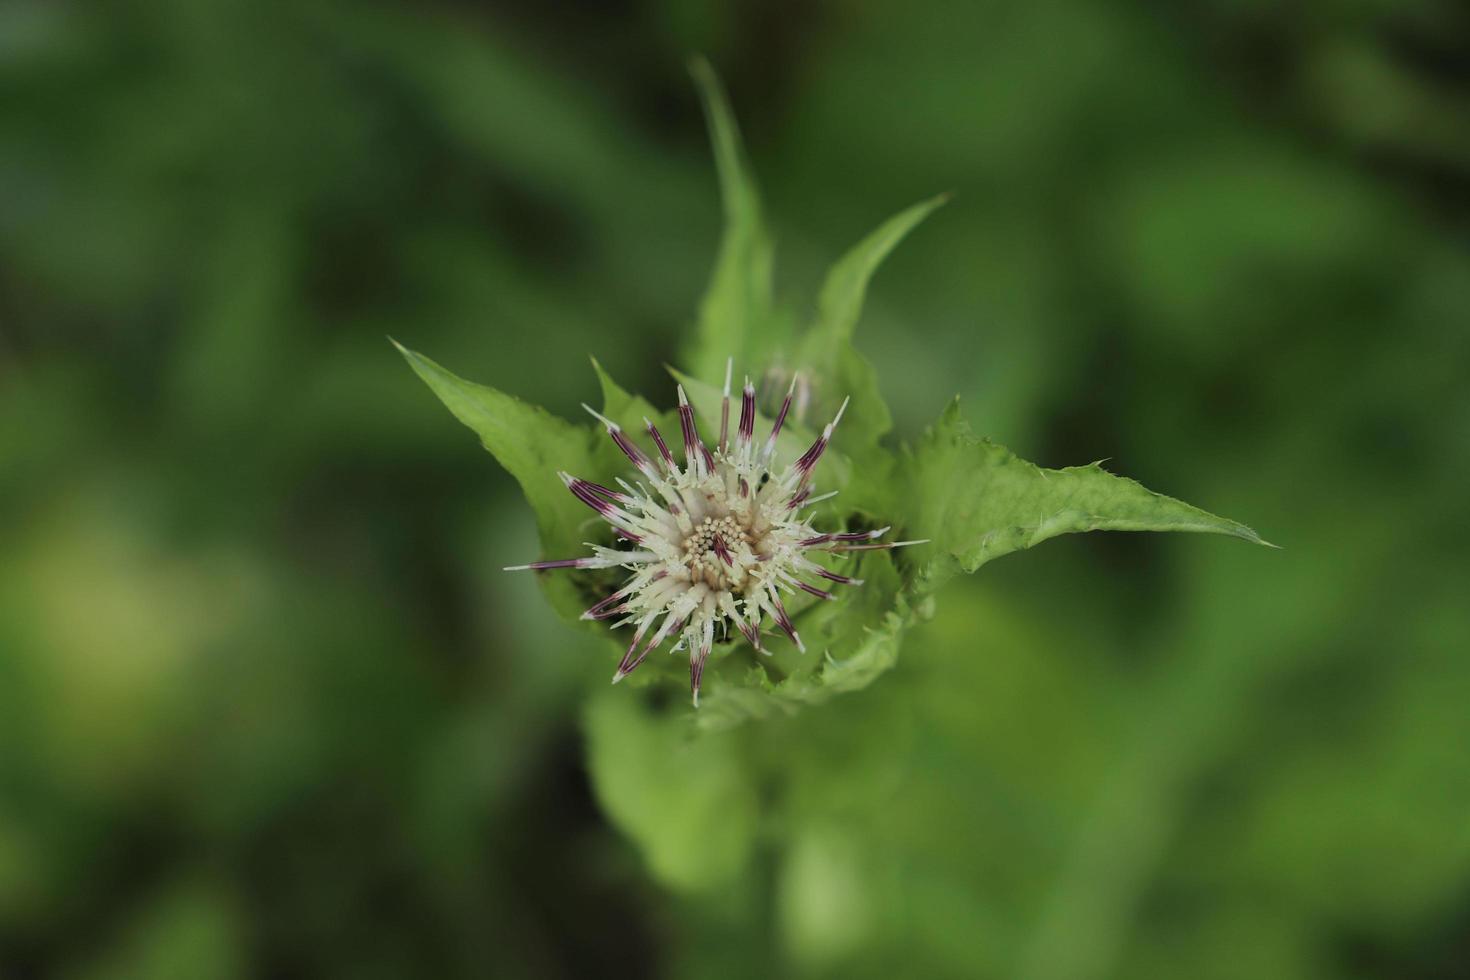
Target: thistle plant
<point>703,551</point>
<point>717,540</point>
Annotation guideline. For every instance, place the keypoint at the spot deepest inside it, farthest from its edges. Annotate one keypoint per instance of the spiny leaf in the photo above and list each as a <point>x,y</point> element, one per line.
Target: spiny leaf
<point>977,500</point>
<point>735,316</point>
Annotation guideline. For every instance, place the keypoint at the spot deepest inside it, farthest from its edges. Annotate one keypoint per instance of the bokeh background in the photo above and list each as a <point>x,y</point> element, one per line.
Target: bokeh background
<point>268,707</point>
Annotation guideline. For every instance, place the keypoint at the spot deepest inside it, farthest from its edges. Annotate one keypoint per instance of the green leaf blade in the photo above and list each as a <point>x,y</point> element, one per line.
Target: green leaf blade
<point>736,315</point>
<point>840,302</point>
<point>827,354</point>
<point>532,444</point>
<point>977,501</point>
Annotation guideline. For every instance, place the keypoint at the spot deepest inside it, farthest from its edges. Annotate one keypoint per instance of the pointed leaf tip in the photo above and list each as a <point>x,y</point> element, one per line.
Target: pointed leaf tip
<point>528,441</point>
<point>841,300</point>
<point>980,501</point>
<point>736,316</point>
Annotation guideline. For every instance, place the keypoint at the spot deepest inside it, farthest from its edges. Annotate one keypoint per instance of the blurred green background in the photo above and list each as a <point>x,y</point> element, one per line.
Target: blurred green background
<point>268,707</point>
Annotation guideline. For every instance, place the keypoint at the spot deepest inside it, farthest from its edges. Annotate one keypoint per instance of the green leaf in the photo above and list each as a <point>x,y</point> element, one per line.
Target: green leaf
<point>841,300</point>
<point>626,409</point>
<point>533,446</point>
<point>688,803</point>
<point>735,702</point>
<point>835,368</point>
<point>977,500</point>
<point>736,318</point>
<point>531,443</point>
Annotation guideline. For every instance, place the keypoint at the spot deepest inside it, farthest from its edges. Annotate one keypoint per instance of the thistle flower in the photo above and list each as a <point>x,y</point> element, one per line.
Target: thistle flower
<point>714,542</point>
<point>724,538</point>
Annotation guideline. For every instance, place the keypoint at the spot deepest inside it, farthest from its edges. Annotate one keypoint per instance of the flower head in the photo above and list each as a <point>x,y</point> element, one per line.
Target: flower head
<point>714,541</point>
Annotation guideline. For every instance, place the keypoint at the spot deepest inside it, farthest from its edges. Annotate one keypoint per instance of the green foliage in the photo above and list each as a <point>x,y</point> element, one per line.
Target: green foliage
<point>840,303</point>
<point>269,706</point>
<point>737,315</point>
<point>980,501</point>
<point>827,352</point>
<point>974,500</point>
<point>530,443</point>
<point>688,801</point>
<point>533,446</point>
<point>736,318</point>
<point>850,643</point>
